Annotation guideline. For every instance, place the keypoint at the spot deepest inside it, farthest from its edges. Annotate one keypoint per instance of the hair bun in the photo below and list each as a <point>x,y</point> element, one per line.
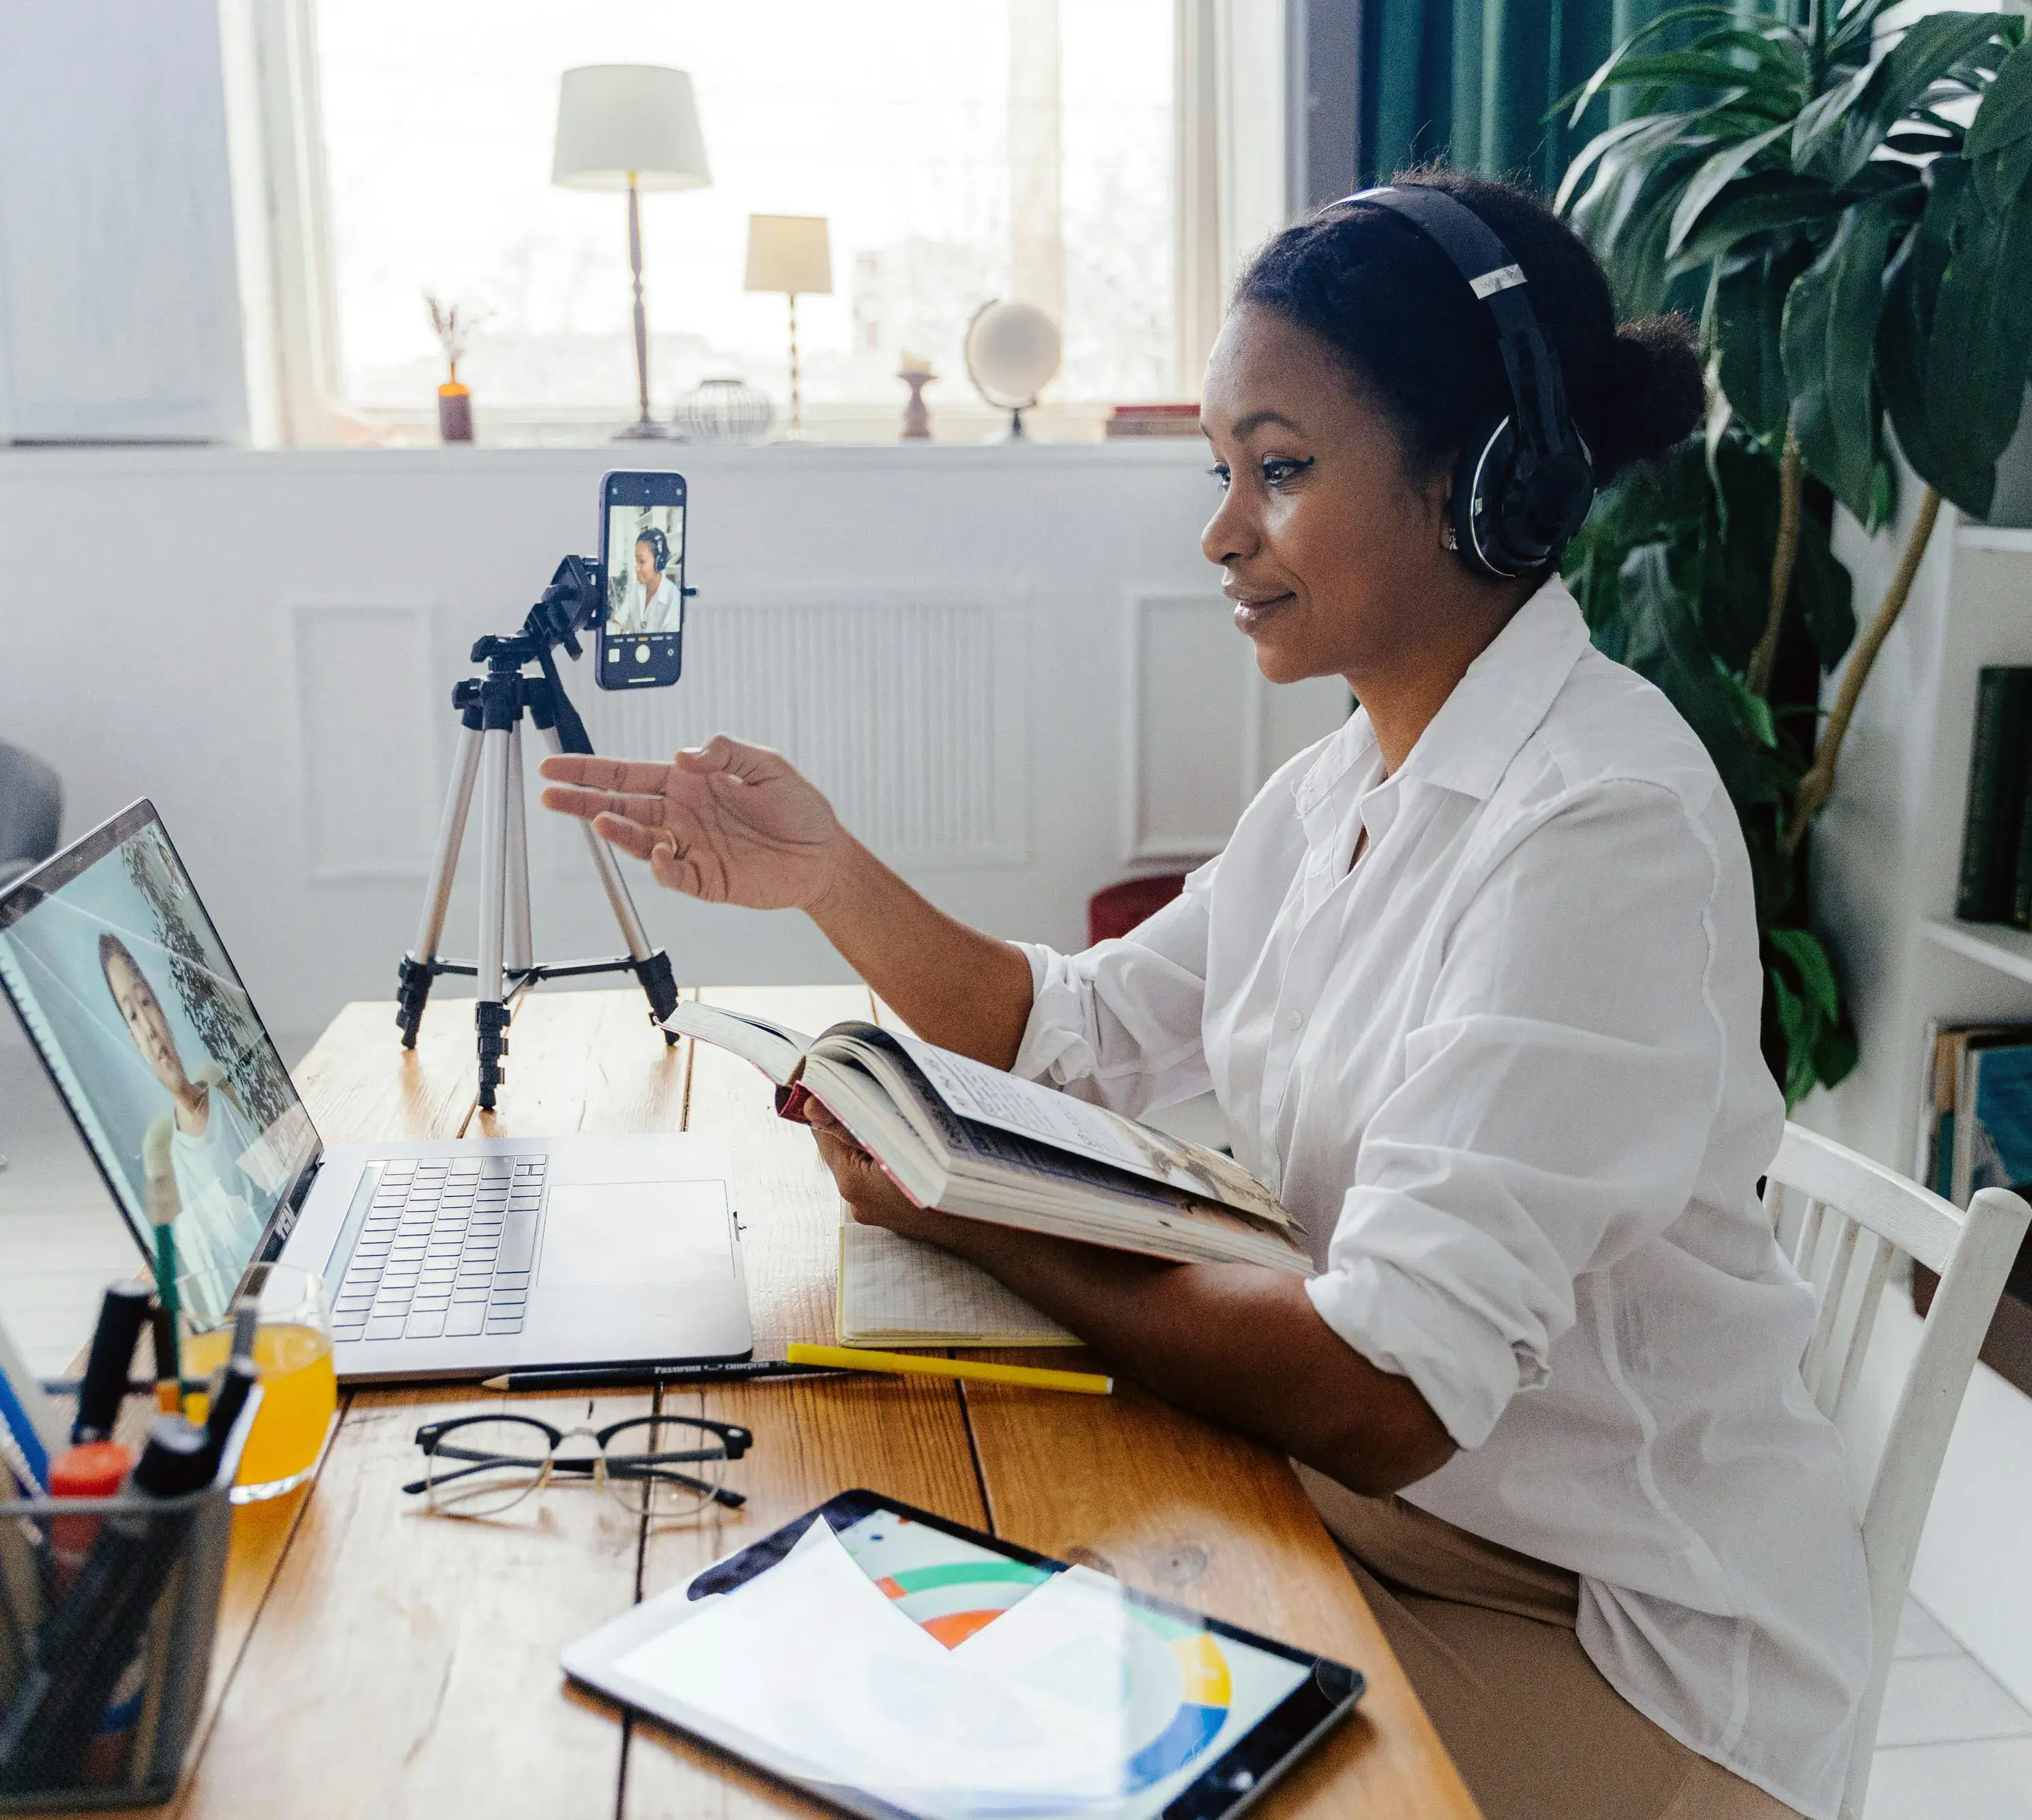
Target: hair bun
<point>1648,395</point>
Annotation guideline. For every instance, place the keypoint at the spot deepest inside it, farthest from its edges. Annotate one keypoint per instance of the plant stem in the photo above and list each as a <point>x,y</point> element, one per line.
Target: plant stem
<point>1818,784</point>
<point>1765,656</point>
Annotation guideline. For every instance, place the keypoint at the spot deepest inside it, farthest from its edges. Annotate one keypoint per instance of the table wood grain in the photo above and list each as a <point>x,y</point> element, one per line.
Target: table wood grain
<point>374,1659</point>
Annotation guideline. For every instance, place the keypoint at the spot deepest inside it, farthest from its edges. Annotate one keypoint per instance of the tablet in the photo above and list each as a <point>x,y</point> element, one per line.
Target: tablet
<point>901,1666</point>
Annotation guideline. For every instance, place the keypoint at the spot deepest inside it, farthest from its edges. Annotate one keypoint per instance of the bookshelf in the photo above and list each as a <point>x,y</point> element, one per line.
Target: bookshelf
<point>1886,860</point>
<point>2009,950</point>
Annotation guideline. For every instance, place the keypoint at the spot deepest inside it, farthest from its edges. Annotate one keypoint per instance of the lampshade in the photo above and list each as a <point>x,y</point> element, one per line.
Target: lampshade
<point>614,118</point>
<point>789,253</point>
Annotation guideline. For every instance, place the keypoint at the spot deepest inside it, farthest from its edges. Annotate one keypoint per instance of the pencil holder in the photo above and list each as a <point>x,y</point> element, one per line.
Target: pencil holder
<point>111,1660</point>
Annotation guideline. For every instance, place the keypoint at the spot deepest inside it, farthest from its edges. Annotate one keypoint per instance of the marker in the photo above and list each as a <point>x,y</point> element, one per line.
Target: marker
<point>909,1365</point>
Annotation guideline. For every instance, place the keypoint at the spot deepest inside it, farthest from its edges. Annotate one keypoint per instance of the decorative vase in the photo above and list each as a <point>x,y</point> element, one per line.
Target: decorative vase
<point>725,411</point>
<point>454,412</point>
<point>916,420</point>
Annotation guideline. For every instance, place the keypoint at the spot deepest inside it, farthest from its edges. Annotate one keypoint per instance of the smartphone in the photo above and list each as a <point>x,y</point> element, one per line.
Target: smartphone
<point>641,642</point>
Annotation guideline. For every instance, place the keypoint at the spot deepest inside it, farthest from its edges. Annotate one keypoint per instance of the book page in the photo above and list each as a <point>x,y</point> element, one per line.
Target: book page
<point>770,1047</point>
<point>990,1097</point>
<point>895,1290</point>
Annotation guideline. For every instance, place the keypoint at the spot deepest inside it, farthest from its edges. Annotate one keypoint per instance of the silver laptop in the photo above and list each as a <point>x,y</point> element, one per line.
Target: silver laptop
<point>445,1259</point>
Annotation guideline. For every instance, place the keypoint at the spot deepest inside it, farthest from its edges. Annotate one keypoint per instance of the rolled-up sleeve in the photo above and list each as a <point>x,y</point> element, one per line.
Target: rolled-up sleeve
<point>1555,1108</point>
<point>1119,1024</point>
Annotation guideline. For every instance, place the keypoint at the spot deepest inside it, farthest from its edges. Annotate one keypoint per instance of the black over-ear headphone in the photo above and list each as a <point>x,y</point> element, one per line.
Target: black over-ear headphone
<point>1525,479</point>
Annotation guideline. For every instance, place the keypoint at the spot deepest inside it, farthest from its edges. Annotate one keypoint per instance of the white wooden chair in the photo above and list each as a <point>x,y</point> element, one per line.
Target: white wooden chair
<point>1857,1215</point>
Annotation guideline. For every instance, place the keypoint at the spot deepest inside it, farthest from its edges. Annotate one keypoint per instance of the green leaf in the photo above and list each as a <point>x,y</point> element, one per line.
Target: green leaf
<point>1821,118</point>
<point>1953,344</point>
<point>1796,1021</point>
<point>1758,203</point>
<point>1581,96</point>
<point>1826,591</point>
<point>1661,641</point>
<point>2000,140</point>
<point>1811,967</point>
<point>1827,338</point>
<point>1750,311</point>
<point>1932,49</point>
<point>1856,26</point>
<point>1712,179</point>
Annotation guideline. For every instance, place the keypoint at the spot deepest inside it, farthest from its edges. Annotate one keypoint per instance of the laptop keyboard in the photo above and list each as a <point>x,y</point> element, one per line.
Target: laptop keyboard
<point>445,1250</point>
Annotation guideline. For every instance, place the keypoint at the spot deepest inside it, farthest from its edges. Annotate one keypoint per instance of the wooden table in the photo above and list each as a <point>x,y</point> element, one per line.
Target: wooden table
<point>374,1660</point>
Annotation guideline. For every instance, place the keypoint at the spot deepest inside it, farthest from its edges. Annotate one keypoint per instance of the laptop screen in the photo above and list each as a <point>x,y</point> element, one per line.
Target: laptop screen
<point>127,992</point>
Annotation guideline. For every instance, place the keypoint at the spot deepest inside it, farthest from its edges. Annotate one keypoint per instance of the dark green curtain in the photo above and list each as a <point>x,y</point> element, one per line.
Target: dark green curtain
<point>1473,81</point>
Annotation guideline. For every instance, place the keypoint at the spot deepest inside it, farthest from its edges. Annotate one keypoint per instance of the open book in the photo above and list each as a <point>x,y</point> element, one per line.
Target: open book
<point>968,1139</point>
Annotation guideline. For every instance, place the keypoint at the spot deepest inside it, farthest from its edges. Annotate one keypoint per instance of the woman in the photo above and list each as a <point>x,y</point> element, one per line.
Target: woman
<point>652,604</point>
<point>193,1157</point>
<point>1476,984</point>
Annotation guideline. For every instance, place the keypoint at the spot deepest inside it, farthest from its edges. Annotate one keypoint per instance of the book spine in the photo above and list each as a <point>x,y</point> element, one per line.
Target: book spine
<point>1976,898</point>
<point>2021,859</point>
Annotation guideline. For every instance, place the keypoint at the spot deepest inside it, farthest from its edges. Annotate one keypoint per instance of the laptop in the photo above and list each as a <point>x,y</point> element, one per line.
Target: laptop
<point>450,1258</point>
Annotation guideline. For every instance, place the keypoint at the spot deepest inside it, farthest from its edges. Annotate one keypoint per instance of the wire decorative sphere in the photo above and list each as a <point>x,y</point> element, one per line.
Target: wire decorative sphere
<point>725,411</point>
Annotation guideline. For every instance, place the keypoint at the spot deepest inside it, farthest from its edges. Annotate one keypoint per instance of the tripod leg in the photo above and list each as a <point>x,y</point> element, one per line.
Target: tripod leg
<point>520,945</point>
<point>416,971</point>
<point>491,1013</point>
<point>652,966</point>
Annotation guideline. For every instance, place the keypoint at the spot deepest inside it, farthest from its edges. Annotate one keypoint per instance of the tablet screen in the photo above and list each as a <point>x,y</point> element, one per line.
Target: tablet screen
<point>895,1666</point>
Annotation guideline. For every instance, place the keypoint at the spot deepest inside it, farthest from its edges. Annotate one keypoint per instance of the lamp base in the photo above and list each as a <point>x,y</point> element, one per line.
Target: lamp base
<point>645,429</point>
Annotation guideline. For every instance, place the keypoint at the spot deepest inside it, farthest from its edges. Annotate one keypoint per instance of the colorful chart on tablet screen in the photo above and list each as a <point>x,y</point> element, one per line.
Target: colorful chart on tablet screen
<point>1164,1689</point>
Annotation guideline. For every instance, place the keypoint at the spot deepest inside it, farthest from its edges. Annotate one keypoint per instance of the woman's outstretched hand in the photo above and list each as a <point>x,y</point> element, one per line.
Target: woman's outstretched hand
<point>726,822</point>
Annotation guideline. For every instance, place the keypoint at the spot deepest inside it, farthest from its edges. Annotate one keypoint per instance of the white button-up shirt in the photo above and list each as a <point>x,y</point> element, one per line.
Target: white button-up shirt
<point>1505,1069</point>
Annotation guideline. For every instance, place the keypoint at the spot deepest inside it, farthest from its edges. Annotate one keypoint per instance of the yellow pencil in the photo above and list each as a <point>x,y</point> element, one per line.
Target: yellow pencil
<point>909,1365</point>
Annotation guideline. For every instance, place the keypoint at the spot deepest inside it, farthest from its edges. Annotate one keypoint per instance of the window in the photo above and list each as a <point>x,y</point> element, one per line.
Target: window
<point>961,150</point>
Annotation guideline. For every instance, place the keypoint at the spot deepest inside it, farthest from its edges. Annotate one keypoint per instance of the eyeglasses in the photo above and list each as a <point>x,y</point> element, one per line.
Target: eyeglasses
<point>656,1465</point>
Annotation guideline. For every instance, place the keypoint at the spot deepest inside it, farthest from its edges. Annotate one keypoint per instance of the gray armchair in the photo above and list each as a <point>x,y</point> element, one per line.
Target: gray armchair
<point>31,812</point>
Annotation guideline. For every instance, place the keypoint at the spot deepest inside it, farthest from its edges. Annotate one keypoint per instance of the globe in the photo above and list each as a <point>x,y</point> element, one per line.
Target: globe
<point>1011,351</point>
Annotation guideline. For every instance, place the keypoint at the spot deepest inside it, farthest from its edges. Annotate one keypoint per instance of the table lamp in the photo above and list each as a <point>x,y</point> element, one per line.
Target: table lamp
<point>790,253</point>
<point>631,126</point>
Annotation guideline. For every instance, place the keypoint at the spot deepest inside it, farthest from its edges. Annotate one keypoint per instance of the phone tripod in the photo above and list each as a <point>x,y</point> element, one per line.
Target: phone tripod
<point>490,709</point>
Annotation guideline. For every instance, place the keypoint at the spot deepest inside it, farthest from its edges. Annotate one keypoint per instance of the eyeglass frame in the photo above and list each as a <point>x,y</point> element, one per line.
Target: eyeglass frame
<point>736,1440</point>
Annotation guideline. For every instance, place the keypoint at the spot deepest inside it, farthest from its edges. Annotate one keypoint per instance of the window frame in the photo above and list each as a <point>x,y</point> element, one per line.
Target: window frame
<point>1237,63</point>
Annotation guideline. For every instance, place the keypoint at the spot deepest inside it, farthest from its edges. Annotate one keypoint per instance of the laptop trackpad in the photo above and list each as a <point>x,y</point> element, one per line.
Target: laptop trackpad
<point>632,1234</point>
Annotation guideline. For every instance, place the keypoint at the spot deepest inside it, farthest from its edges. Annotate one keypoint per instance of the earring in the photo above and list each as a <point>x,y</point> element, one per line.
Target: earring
<point>1452,541</point>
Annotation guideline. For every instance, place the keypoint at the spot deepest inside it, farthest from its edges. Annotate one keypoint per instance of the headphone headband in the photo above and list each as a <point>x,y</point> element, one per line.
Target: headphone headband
<point>1525,487</point>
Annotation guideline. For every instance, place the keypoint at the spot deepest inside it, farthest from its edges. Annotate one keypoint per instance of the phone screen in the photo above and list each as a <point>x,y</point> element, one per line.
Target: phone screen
<point>642,564</point>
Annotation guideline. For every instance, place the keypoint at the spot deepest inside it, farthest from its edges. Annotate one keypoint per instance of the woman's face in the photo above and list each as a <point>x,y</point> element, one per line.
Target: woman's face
<point>1334,557</point>
<point>645,567</point>
<point>146,1023</point>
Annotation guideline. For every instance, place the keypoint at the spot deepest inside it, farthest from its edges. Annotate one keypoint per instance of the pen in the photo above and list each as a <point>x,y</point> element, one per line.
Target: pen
<point>909,1365</point>
<point>649,1377</point>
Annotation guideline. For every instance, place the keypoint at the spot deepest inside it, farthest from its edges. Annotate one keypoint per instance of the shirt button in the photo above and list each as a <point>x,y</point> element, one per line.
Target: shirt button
<point>1295,1020</point>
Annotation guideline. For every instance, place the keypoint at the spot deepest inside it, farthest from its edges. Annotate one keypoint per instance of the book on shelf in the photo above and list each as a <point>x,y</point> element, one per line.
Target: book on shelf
<point>972,1140</point>
<point>1975,1132</point>
<point>1990,886</point>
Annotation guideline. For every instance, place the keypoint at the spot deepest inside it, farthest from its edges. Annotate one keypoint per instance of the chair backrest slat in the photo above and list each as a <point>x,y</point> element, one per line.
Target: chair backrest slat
<point>1808,1242</point>
<point>1833,1294</point>
<point>1972,1252</point>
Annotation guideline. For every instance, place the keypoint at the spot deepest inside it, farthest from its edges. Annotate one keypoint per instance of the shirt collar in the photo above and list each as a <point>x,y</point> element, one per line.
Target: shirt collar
<point>1493,709</point>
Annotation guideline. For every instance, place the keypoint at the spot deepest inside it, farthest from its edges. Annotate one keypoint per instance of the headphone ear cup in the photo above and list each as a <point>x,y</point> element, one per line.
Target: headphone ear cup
<point>1482,481</point>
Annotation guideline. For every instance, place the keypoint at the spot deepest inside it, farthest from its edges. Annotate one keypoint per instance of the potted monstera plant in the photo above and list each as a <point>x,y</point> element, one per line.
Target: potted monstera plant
<point>1847,207</point>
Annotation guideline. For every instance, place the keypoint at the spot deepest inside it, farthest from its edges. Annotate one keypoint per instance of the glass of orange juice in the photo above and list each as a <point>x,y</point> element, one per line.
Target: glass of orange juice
<point>299,1389</point>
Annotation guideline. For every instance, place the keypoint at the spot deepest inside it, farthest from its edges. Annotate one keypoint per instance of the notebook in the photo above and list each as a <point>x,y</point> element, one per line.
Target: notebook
<point>898,1291</point>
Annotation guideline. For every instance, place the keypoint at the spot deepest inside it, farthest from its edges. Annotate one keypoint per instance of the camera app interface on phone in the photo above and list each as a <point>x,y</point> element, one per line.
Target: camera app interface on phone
<point>645,551</point>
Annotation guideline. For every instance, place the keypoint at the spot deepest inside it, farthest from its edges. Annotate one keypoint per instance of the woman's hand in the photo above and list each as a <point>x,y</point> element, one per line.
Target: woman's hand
<point>726,822</point>
<point>875,1201</point>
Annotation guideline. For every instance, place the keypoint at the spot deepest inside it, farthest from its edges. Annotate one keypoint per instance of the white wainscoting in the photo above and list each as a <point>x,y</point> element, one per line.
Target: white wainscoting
<point>368,745</point>
<point>1203,731</point>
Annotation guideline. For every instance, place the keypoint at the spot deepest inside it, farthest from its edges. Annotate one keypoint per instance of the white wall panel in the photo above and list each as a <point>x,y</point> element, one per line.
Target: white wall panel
<point>368,740</point>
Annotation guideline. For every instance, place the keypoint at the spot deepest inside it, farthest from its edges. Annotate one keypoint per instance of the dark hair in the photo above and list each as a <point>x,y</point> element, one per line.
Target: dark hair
<point>1418,343</point>
<point>110,948</point>
<point>659,547</point>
